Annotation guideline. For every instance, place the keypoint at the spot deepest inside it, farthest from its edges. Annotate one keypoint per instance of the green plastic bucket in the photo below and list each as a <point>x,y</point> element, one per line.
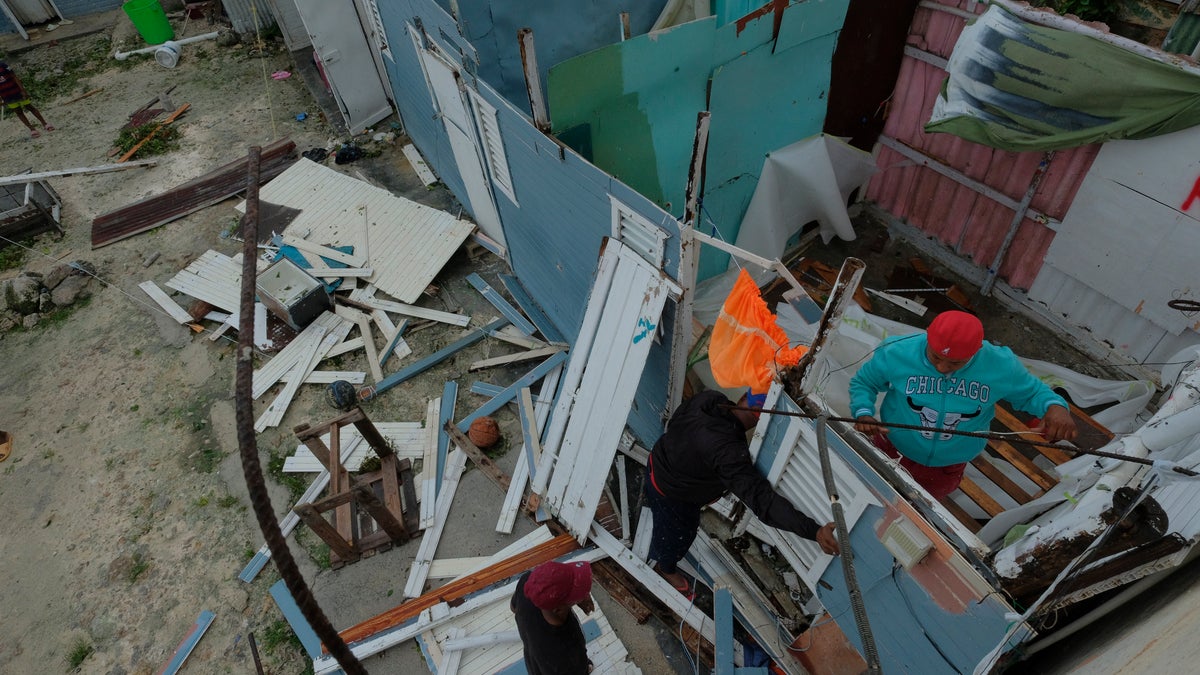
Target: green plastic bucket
<point>150,20</point>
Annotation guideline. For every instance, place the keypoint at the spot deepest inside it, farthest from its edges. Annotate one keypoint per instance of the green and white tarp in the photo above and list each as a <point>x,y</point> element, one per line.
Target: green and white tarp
<point>1020,86</point>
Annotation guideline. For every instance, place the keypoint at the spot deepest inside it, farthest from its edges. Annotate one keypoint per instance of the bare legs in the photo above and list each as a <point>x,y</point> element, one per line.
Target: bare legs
<point>36,113</point>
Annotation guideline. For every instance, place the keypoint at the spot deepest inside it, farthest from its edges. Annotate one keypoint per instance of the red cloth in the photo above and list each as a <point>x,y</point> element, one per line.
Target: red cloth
<point>938,481</point>
<point>955,335</point>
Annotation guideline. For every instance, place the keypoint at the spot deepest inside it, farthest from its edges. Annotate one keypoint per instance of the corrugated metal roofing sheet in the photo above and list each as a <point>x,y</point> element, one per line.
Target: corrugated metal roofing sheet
<point>973,225</point>
<point>407,243</point>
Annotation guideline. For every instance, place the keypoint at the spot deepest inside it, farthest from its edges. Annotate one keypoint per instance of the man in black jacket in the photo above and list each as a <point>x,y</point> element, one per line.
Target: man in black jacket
<point>702,456</point>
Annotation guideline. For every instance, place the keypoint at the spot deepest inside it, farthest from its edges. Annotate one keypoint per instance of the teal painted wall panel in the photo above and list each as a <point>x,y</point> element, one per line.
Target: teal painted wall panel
<point>636,102</point>
<point>632,106</point>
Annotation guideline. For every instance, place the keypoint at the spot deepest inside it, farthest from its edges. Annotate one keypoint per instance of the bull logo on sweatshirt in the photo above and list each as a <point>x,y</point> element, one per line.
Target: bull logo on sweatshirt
<point>929,420</point>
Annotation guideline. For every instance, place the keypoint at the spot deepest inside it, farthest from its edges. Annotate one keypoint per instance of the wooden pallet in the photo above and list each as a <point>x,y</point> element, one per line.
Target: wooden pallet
<point>984,493</point>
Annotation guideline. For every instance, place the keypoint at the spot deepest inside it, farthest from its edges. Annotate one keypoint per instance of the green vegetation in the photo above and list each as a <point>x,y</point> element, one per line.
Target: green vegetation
<point>227,501</point>
<point>140,565</point>
<point>278,634</point>
<point>295,483</point>
<point>78,654</point>
<point>165,139</point>
<point>78,63</point>
<point>12,256</point>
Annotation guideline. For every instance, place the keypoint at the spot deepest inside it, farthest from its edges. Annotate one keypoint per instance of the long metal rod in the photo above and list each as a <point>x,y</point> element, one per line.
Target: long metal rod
<point>972,434</point>
<point>847,553</point>
<point>1018,217</point>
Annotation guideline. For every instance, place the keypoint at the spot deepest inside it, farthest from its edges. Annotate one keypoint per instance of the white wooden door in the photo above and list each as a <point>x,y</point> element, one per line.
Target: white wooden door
<point>444,80</point>
<point>612,361</point>
<point>30,12</point>
<point>342,47</point>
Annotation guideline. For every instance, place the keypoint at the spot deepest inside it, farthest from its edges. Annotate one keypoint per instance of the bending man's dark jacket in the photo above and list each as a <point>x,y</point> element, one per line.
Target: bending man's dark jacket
<point>704,454</point>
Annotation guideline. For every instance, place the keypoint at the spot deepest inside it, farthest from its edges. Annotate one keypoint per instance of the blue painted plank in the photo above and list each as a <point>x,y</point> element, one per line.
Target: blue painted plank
<point>511,390</point>
<point>511,313</point>
<point>723,609</point>
<point>529,432</point>
<point>394,341</point>
<point>544,325</point>
<point>295,618</point>
<point>446,415</point>
<point>188,643</point>
<point>403,375</point>
<point>256,565</point>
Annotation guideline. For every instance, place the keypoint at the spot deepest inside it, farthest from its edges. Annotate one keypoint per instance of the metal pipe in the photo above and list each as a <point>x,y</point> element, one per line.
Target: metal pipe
<point>993,270</point>
<point>121,56</point>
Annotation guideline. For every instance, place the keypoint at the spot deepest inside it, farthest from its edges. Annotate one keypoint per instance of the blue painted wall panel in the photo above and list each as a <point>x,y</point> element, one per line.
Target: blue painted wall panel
<point>562,213</point>
<point>561,30</point>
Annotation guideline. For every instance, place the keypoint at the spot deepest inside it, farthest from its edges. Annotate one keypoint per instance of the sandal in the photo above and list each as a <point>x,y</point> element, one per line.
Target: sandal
<point>34,133</point>
<point>49,127</point>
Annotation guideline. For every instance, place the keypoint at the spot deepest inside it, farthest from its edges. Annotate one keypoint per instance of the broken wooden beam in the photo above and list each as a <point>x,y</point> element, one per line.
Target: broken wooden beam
<point>20,178</point>
<point>138,146</point>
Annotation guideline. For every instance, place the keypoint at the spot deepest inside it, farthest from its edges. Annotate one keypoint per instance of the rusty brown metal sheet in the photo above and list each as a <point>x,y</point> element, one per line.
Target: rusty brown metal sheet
<point>196,194</point>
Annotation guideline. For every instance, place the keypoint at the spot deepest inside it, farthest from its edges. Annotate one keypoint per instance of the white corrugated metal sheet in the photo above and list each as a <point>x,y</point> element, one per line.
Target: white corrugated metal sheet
<point>1079,305</point>
<point>250,16</point>
<point>407,243</point>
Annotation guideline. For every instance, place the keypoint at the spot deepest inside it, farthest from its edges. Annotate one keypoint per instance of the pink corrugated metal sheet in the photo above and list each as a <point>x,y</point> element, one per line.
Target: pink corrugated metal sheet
<point>974,225</point>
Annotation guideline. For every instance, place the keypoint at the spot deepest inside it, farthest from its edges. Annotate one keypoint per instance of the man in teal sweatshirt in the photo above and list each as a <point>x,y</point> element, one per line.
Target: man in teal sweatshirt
<point>949,378</point>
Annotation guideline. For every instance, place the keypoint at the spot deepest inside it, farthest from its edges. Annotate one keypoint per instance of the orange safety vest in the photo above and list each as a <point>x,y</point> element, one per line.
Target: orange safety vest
<point>747,346</point>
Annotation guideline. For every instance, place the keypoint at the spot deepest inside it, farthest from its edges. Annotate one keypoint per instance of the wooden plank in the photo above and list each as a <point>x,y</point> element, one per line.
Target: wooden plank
<point>507,310</point>
<point>510,391</point>
<point>169,306</point>
<point>1024,464</point>
<point>455,464</point>
<point>994,474</point>
<point>452,659</point>
<point>329,376</point>
<point>514,358</point>
<point>266,376</point>
<point>980,497</point>
<point>959,513</point>
<point>514,336</point>
<point>429,473</point>
<point>364,327</point>
<point>412,370</point>
<point>273,415</point>
<point>22,178</point>
<point>1010,421</point>
<point>189,642</point>
<point>485,463</point>
<point>339,547</point>
<point>418,164</point>
<point>449,568</point>
<point>340,272</point>
<point>345,346</point>
<point>416,312</point>
<point>509,567</point>
<point>306,246</point>
<point>396,345</point>
<point>449,403</point>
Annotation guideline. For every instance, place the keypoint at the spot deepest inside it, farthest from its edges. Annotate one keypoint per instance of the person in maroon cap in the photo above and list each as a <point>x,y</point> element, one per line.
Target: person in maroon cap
<point>949,378</point>
<point>552,637</point>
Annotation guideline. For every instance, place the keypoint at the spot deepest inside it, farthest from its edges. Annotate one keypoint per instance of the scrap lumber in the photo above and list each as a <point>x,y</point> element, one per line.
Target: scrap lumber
<point>345,346</point>
<point>213,278</point>
<point>507,310</point>
<point>369,303</point>
<point>533,421</point>
<point>22,178</point>
<point>455,464</point>
<point>273,371</point>
<point>330,376</point>
<point>515,358</point>
<point>540,319</point>
<point>414,369</point>
<point>510,392</point>
<point>418,164</point>
<point>189,642</point>
<point>327,252</point>
<point>405,439</point>
<point>211,188</point>
<point>169,306</point>
<point>273,415</point>
<point>84,95</point>
<point>138,146</point>
<point>291,520</point>
<point>429,472</point>
<point>516,564</point>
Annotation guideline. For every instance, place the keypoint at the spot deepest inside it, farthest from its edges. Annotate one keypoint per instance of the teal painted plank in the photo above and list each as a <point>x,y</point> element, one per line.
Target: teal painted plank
<point>544,325</point>
<point>184,650</point>
<point>723,608</point>
<point>503,306</point>
<point>394,341</point>
<point>295,618</point>
<point>401,376</point>
<point>446,415</point>
<point>529,430</point>
<point>814,19</point>
<point>509,392</point>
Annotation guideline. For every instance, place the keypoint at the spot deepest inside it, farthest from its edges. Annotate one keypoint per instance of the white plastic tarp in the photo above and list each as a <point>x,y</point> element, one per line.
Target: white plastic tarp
<point>805,181</point>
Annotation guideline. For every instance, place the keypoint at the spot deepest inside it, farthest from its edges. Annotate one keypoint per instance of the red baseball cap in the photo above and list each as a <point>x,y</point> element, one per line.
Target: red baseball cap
<point>554,584</point>
<point>955,335</point>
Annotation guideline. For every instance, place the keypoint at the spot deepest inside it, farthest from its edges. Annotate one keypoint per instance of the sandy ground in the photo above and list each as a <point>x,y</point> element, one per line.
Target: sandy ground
<point>125,506</point>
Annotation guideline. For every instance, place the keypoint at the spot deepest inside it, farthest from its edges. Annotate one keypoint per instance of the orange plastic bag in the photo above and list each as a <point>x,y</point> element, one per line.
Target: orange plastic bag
<point>747,346</point>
